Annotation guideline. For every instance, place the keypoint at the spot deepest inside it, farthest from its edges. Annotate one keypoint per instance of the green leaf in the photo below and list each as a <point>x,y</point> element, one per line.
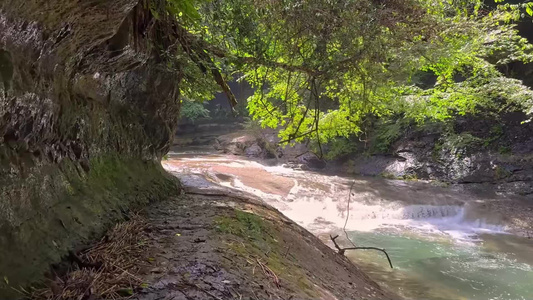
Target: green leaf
<point>322,72</point>
<point>125,292</point>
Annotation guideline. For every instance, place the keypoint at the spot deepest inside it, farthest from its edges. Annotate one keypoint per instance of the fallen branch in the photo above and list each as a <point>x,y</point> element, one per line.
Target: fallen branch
<point>269,273</point>
<point>342,250</point>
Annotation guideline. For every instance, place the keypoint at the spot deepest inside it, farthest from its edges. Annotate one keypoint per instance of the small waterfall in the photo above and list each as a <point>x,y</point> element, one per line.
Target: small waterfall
<point>320,201</point>
<point>411,212</point>
<point>416,212</point>
<point>446,217</point>
<point>431,231</point>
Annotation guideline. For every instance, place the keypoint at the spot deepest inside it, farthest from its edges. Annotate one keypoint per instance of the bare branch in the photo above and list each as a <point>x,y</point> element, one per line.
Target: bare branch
<point>292,138</point>
<point>288,67</point>
<point>342,250</point>
<point>198,50</point>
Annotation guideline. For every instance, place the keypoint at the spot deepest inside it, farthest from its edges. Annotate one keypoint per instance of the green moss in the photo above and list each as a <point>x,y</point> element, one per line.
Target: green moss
<point>410,177</point>
<point>501,173</point>
<point>65,207</point>
<point>388,175</point>
<point>245,225</point>
<point>505,150</point>
<point>258,242</point>
<point>407,177</point>
<point>440,183</point>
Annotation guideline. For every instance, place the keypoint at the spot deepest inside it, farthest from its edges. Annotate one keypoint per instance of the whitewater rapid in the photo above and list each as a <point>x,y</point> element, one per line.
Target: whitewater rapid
<point>320,202</point>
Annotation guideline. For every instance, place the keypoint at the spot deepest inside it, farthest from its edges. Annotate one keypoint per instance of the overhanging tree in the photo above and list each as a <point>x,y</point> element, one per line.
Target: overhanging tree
<point>320,67</point>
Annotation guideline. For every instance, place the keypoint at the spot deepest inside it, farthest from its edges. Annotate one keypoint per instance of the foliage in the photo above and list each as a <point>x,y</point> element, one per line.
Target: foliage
<point>464,140</point>
<point>320,68</point>
<point>387,132</point>
<point>458,145</point>
<point>192,111</point>
<point>337,148</point>
<point>496,132</point>
<point>514,12</point>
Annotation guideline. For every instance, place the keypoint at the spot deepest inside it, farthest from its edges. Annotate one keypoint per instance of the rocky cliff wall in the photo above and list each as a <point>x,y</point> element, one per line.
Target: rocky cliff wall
<point>87,109</point>
<point>492,153</point>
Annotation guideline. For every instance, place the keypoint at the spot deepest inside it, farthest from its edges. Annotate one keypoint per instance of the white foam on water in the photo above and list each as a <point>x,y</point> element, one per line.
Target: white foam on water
<point>236,183</point>
<point>325,208</point>
<point>318,207</point>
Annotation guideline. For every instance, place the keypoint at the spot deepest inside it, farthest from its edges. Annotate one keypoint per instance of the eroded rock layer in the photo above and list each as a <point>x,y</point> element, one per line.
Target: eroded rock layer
<point>87,109</point>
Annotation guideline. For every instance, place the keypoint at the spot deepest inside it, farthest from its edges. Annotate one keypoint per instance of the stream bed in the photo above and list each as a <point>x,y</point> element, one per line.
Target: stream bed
<point>444,243</point>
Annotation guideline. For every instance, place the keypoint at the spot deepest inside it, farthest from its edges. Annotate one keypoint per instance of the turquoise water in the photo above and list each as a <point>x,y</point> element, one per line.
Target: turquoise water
<point>439,267</point>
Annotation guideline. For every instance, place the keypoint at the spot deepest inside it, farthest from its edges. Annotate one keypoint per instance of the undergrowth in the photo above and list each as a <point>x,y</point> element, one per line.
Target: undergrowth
<point>107,270</point>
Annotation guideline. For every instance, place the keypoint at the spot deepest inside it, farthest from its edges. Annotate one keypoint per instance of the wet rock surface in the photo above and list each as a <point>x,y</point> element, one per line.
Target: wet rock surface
<point>212,242</point>
<point>264,145</point>
<point>481,152</point>
<point>494,154</point>
<point>220,244</point>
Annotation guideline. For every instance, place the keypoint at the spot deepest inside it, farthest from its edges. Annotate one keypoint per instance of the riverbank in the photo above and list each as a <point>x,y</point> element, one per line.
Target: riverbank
<point>441,239</point>
<point>471,152</point>
<point>215,243</point>
<point>213,149</point>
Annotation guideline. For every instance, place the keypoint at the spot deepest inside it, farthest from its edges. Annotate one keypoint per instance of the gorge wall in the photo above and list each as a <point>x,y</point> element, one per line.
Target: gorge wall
<point>489,152</point>
<point>87,109</point>
<point>492,154</point>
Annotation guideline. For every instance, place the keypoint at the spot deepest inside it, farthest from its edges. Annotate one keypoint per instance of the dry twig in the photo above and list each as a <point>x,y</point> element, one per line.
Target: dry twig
<point>105,271</point>
<point>342,250</point>
<point>269,273</point>
<point>348,214</point>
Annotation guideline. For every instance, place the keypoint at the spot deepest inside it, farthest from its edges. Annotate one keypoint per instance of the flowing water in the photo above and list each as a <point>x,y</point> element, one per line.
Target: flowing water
<point>444,243</point>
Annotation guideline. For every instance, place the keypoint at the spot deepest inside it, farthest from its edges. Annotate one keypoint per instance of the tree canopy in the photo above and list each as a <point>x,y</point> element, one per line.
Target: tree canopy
<point>321,67</point>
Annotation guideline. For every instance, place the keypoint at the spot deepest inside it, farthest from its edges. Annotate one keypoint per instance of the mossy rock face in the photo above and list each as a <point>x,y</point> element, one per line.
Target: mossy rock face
<point>87,110</point>
<point>258,240</point>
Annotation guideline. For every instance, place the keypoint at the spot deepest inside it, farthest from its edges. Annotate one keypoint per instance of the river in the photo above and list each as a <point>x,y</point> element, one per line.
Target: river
<point>444,243</point>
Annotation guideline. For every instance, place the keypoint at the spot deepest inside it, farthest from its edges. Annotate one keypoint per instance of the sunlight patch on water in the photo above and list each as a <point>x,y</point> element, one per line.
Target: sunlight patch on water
<point>320,201</point>
<point>428,267</point>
